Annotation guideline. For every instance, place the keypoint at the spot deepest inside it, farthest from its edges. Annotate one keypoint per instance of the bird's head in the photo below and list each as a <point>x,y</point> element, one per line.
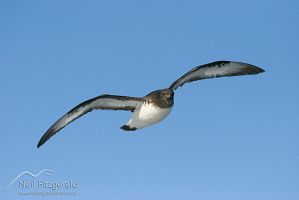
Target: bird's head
<point>163,98</point>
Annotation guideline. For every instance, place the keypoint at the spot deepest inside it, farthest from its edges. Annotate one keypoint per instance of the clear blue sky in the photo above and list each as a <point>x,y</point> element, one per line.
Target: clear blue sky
<point>230,138</point>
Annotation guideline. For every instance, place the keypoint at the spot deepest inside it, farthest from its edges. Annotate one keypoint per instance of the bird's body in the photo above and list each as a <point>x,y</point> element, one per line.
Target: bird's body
<point>156,105</point>
<point>151,112</point>
<point>148,114</point>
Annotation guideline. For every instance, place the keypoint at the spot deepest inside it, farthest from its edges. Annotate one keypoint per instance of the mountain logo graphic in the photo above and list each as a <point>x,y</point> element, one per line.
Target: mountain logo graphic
<point>46,172</point>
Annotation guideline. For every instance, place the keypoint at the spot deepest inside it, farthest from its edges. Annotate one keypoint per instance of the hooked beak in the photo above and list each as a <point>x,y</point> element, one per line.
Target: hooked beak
<point>170,97</point>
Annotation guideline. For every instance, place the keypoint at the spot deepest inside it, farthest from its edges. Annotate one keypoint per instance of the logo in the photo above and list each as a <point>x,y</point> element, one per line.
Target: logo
<point>44,171</point>
<point>42,184</point>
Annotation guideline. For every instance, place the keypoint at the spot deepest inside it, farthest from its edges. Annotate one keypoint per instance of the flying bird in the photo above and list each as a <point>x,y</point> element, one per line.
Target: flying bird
<point>156,105</point>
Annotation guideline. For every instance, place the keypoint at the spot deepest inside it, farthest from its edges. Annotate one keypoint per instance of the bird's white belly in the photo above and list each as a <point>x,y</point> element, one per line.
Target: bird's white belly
<point>148,114</point>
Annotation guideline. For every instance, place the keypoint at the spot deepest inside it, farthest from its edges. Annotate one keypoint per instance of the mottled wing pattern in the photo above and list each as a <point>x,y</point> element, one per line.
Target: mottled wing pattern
<point>215,70</point>
<point>103,102</point>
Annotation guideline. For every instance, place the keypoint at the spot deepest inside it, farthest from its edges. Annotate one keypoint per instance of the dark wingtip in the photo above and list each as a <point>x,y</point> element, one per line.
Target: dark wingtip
<point>44,138</point>
<point>260,70</point>
<point>255,69</point>
<point>40,143</point>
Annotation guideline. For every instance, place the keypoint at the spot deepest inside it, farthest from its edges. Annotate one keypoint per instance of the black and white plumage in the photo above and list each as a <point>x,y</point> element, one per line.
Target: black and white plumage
<point>155,106</point>
<point>215,70</point>
<point>103,102</point>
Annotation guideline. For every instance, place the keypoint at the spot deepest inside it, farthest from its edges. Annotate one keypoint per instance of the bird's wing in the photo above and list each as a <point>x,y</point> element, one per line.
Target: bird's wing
<point>215,70</point>
<point>103,102</point>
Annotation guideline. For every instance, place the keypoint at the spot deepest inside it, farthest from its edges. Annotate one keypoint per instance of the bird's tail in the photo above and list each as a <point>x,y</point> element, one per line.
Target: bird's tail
<point>128,128</point>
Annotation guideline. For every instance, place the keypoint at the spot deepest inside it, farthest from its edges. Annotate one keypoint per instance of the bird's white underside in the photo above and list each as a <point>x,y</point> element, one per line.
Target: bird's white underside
<point>146,115</point>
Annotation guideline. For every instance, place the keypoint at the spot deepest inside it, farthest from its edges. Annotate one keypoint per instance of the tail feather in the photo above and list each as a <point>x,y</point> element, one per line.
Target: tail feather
<point>128,128</point>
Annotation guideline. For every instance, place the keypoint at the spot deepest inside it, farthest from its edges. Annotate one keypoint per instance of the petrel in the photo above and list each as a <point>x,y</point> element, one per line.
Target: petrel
<point>156,105</point>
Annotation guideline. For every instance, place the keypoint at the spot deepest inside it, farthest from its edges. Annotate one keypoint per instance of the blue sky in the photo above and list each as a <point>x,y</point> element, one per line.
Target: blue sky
<point>228,138</point>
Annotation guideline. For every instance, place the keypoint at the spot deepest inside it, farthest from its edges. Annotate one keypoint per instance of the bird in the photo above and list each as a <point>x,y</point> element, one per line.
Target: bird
<point>155,106</point>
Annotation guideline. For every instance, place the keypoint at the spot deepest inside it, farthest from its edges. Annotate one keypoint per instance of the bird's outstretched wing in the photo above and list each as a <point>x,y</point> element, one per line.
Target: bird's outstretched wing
<point>215,70</point>
<point>103,102</point>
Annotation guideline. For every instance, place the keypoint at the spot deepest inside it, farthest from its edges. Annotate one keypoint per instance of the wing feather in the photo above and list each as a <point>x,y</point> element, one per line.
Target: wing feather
<point>103,102</point>
<point>215,70</point>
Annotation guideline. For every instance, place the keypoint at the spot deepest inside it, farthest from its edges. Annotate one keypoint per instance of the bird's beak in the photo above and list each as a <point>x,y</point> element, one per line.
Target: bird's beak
<point>169,97</point>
